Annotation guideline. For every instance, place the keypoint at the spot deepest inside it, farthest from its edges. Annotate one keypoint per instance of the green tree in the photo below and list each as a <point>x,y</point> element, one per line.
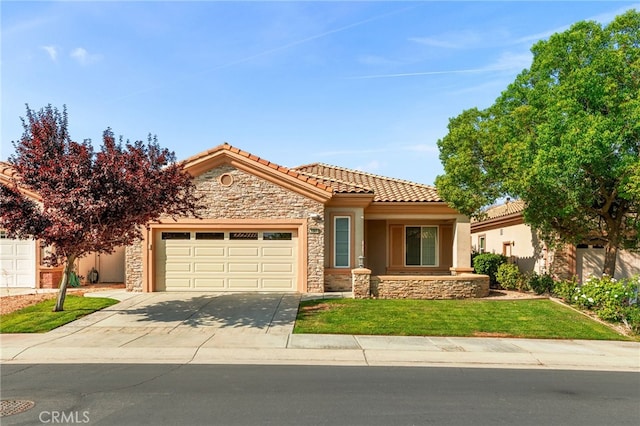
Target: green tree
<point>564,137</point>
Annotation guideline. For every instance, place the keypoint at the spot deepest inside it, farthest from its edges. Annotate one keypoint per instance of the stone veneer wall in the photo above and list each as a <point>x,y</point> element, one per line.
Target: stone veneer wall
<point>250,197</point>
<point>133,266</point>
<point>563,262</point>
<point>419,287</point>
<point>334,281</point>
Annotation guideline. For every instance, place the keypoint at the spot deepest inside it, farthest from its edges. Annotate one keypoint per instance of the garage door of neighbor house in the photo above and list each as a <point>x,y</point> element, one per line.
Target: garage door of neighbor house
<point>17,262</point>
<point>211,260</point>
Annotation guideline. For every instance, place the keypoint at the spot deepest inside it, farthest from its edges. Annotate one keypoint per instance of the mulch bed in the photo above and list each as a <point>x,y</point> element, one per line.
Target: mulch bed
<point>10,303</point>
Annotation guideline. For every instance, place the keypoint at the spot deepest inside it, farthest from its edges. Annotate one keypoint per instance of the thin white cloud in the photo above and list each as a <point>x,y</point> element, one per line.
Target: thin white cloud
<point>375,60</point>
<point>451,40</point>
<point>52,51</point>
<point>83,57</point>
<point>508,61</point>
<point>421,73</point>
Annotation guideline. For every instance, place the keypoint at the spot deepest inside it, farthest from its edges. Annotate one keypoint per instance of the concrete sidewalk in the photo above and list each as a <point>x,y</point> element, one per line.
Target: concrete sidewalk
<point>154,328</point>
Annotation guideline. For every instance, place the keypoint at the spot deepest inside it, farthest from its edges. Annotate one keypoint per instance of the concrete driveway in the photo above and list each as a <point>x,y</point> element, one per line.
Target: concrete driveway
<point>258,313</point>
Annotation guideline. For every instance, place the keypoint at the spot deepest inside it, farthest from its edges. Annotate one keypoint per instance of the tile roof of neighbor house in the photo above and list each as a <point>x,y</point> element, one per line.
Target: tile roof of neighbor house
<point>385,189</point>
<point>506,209</point>
<point>6,169</point>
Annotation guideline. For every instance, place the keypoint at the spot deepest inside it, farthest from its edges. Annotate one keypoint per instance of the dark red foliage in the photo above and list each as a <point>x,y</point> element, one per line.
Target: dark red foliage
<point>89,201</point>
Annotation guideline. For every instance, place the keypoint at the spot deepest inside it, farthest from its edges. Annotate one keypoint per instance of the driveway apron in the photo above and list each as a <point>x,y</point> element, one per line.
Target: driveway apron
<point>175,320</point>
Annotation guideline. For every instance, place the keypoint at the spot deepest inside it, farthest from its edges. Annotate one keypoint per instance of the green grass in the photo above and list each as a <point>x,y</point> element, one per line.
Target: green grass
<point>39,318</point>
<point>522,318</point>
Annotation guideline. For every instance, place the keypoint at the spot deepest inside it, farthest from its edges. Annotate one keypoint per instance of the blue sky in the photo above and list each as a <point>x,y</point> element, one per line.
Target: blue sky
<point>366,85</point>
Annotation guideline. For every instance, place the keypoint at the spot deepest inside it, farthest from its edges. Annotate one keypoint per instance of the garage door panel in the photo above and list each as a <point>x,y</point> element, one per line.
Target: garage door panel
<point>24,250</point>
<point>277,267</point>
<point>208,267</point>
<point>240,283</point>
<point>209,251</point>
<point>178,267</point>
<point>24,264</point>
<point>243,267</point>
<point>177,251</point>
<point>178,282</point>
<point>277,251</point>
<point>277,284</point>
<point>209,283</point>
<point>243,251</point>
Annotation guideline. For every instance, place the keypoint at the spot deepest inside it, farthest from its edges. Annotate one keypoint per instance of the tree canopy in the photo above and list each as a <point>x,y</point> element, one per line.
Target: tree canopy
<point>87,201</point>
<point>564,137</point>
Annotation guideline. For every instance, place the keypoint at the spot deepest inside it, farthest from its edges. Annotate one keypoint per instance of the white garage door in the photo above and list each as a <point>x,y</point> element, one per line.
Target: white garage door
<point>17,262</point>
<point>226,260</point>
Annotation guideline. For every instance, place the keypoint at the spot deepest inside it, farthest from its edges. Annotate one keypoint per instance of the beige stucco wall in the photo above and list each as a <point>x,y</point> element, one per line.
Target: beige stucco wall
<point>590,261</point>
<point>254,198</point>
<point>110,267</point>
<point>528,250</point>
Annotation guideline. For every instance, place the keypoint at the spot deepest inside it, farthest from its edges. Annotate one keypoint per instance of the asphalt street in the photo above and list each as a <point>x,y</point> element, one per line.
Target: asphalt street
<point>170,394</point>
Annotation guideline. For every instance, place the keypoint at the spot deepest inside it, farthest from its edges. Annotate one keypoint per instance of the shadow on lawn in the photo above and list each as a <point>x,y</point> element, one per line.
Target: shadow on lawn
<point>254,310</point>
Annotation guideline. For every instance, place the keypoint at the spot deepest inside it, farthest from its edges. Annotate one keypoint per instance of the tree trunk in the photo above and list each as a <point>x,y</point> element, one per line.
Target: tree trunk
<point>66,277</point>
<point>610,256</point>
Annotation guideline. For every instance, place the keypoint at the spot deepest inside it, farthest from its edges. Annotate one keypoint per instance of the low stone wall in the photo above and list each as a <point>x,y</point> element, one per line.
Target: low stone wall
<point>337,280</point>
<point>418,286</point>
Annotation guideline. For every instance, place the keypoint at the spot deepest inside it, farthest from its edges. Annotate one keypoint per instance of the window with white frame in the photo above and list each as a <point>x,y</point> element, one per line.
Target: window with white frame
<point>341,241</point>
<point>421,245</point>
<point>482,244</point>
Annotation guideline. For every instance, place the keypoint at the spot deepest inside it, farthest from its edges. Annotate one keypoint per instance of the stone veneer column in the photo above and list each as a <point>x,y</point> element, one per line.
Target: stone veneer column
<point>361,283</point>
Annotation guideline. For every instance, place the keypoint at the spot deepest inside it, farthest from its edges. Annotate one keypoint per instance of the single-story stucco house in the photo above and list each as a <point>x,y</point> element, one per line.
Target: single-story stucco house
<point>266,227</point>
<point>503,231</point>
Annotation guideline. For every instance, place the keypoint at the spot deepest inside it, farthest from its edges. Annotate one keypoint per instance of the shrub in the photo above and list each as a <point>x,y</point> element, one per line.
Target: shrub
<point>566,289</point>
<point>487,264</point>
<point>632,318</point>
<point>540,284</point>
<point>508,276</point>
<point>611,299</point>
<point>607,297</point>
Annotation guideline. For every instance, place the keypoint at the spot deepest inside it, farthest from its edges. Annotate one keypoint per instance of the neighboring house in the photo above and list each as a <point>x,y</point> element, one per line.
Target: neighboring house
<point>270,228</point>
<point>21,260</point>
<point>503,231</point>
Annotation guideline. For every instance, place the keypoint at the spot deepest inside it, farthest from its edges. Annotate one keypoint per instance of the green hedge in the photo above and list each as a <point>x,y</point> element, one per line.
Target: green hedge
<point>488,264</point>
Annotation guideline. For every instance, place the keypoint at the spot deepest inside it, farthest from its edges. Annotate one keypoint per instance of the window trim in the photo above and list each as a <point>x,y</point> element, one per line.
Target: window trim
<point>481,249</point>
<point>335,241</point>
<point>437,246</point>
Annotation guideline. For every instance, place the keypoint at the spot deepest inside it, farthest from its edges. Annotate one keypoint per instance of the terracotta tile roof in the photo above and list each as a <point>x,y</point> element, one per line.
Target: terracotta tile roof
<point>385,189</point>
<point>6,169</point>
<point>506,209</point>
<point>262,161</point>
<point>8,173</point>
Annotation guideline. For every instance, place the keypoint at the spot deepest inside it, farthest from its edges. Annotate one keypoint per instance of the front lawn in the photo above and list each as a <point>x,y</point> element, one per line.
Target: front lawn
<point>39,318</point>
<point>517,318</point>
